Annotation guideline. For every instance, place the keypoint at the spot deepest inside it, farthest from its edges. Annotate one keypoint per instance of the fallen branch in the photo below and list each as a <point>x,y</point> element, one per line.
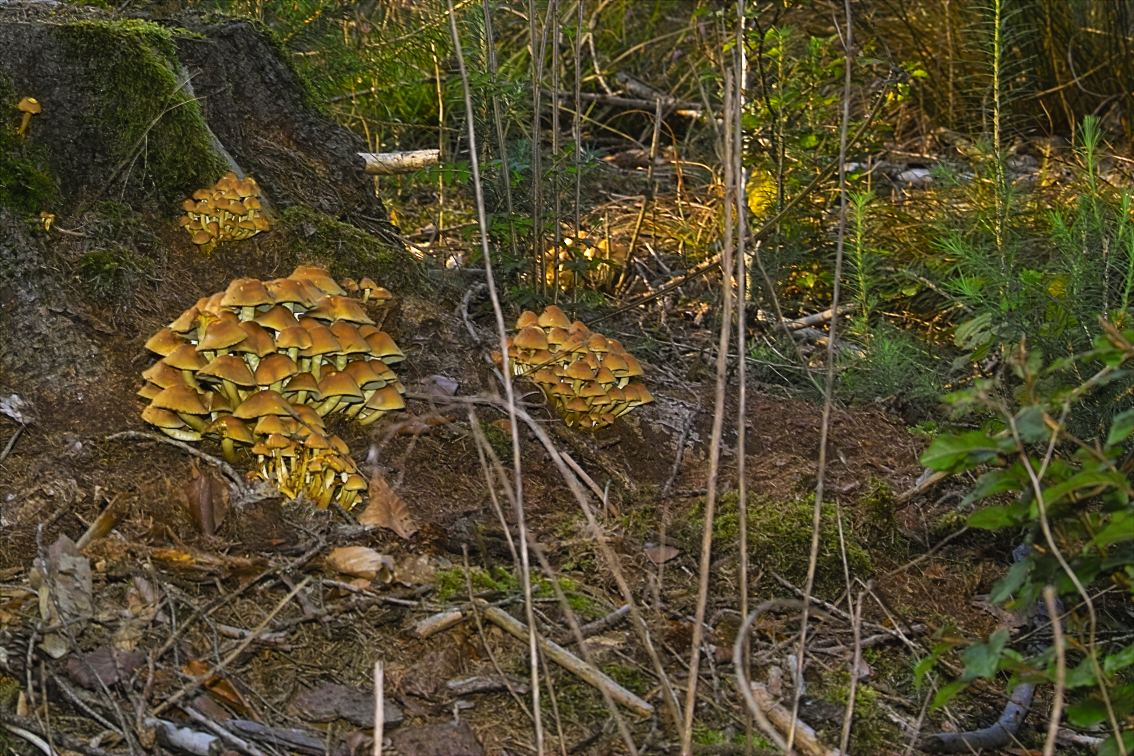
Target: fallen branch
<point>570,662</point>
<point>990,738</point>
<point>819,317</point>
<point>805,738</point>
<point>392,163</point>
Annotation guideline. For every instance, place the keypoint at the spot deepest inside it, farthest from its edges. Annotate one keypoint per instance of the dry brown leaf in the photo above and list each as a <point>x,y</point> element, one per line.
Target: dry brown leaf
<point>661,554</point>
<point>206,499</point>
<point>221,691</point>
<point>387,510</point>
<point>360,561</point>
<point>503,424</point>
<point>104,664</point>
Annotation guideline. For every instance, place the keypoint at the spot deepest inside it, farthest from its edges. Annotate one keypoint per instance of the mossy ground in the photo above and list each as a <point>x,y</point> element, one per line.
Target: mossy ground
<point>346,251</point>
<point>159,140</point>
<point>26,184</point>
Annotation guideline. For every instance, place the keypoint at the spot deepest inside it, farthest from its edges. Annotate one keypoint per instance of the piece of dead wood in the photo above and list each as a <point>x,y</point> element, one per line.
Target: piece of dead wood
<point>819,317</point>
<point>392,163</point>
<point>299,740</point>
<point>185,739</point>
<point>436,623</point>
<point>600,625</point>
<point>806,741</point>
<point>386,509</point>
<point>583,475</point>
<point>924,483</point>
<point>570,662</point>
<point>486,684</point>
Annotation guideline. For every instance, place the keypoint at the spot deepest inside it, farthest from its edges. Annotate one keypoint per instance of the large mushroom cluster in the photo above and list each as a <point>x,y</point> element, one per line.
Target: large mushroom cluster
<point>587,377</point>
<point>258,367</point>
<point>227,211</point>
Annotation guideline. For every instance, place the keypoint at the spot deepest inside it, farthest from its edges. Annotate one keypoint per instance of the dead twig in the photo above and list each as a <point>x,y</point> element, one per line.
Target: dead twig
<point>11,442</point>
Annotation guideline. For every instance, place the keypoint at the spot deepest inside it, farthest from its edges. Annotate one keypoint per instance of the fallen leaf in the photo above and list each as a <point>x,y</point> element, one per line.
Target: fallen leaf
<point>440,385</point>
<point>221,691</point>
<point>206,499</point>
<point>104,664</point>
<point>360,561</point>
<point>387,510</point>
<point>329,701</point>
<point>64,592</point>
<point>419,425</point>
<point>661,554</point>
<point>503,424</point>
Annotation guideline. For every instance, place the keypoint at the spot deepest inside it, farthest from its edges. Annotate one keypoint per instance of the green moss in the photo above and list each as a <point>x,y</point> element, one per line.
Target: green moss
<point>159,137</point>
<point>347,251</point>
<point>872,731</point>
<point>779,538</point>
<point>111,274</point>
<point>452,583</point>
<point>499,440</point>
<point>25,183</point>
<point>628,677</point>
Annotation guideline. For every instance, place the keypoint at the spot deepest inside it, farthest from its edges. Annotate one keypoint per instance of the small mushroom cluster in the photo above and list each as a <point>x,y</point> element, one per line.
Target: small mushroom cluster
<point>260,365</point>
<point>228,211</point>
<point>586,376</point>
<point>584,261</point>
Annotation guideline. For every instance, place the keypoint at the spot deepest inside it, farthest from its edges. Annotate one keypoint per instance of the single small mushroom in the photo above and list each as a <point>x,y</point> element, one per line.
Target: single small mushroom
<point>553,317</point>
<point>29,106</point>
<point>230,431</point>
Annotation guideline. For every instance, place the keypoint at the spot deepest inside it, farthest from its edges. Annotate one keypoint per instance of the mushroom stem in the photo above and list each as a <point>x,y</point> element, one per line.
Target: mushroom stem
<point>229,449</point>
<point>24,124</point>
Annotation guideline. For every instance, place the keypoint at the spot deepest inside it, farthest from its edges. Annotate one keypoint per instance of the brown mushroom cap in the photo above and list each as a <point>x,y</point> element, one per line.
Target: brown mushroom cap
<point>531,337</point>
<point>341,385</point>
<point>275,368</point>
<point>259,341</point>
<point>384,348</point>
<point>221,334</point>
<point>579,371</point>
<point>319,277</point>
<point>322,342</point>
<point>386,400</point>
<point>349,338</point>
<point>334,308</point>
<point>185,322</point>
<point>364,374</point>
<point>180,399</point>
<point>553,317</point>
<point>277,318</point>
<point>288,291</point>
<point>184,358</point>
<point>29,105</point>
<point>302,382</point>
<point>262,403</point>
<point>269,425</point>
<point>527,318</point>
<point>228,426</point>
<point>163,375</point>
<point>293,338</point>
<point>164,341</point>
<point>228,367</point>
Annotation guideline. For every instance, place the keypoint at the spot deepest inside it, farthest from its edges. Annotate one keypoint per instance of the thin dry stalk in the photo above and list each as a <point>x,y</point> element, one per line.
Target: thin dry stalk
<point>828,389</point>
<point>502,332</point>
<point>379,707</point>
<point>732,139</point>
<point>742,348</point>
<point>1060,670</point>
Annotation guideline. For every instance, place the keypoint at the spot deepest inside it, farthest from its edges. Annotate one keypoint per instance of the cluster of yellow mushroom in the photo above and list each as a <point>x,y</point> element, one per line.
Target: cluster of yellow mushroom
<point>583,260</point>
<point>587,377</point>
<point>227,211</point>
<point>259,366</point>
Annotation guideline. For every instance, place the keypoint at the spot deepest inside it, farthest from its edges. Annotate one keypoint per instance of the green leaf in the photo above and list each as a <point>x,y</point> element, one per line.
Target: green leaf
<point>1121,427</point>
<point>1081,675</point>
<point>1110,747</point>
<point>1087,713</point>
<point>947,692</point>
<point>994,482</point>
<point>1085,479</point>
<point>991,518</point>
<point>1030,424</point>
<point>1011,582</point>
<point>959,453</point>
<point>1120,528</point>
<point>1121,660</point>
<point>983,659</point>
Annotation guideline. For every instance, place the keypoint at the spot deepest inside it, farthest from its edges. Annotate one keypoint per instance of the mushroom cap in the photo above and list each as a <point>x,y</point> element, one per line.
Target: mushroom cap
<point>577,404</point>
<point>269,425</point>
<point>202,237</point>
<point>579,371</point>
<point>316,441</point>
<point>274,368</point>
<point>604,376</point>
<point>163,375</point>
<point>322,342</point>
<point>597,343</point>
<point>296,337</point>
<point>228,426</point>
<point>644,395</point>
<point>527,318</point>
<point>302,382</point>
<point>633,367</point>
<point>531,337</point>
<point>334,308</point>
<point>545,376</point>
<point>553,317</point>
<point>262,403</point>
<point>308,415</point>
<point>182,399</point>
<point>592,389</point>
<point>221,334</point>
<point>164,341</point>
<point>30,105</point>
<point>228,367</point>
<point>355,482</point>
<point>290,291</point>
<point>616,363</point>
<point>259,341</point>
<point>184,358</point>
<point>349,338</point>
<point>246,292</point>
<point>185,322</point>
<point>277,318</point>
<point>341,385</point>
<point>365,375</point>
<point>556,336</point>
<point>384,348</point>
<point>386,399</point>
<point>319,277</point>
<point>161,418</point>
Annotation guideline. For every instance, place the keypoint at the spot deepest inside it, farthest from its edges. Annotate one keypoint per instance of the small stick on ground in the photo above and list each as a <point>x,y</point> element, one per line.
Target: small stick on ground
<point>11,442</point>
<point>680,454</point>
<point>570,662</point>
